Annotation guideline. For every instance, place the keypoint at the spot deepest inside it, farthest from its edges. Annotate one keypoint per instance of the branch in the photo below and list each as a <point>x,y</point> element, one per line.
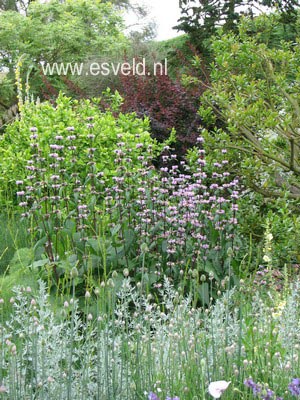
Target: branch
<point>254,142</point>
<point>272,194</point>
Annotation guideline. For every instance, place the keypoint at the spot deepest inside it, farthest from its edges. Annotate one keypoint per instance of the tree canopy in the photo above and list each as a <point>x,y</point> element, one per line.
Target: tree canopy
<point>56,32</point>
<point>255,92</point>
<point>201,18</point>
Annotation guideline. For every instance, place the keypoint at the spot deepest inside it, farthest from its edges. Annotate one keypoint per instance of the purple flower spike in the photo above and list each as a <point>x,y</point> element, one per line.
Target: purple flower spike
<point>262,392</point>
<point>269,395</point>
<point>152,396</point>
<point>294,387</point>
<point>252,385</point>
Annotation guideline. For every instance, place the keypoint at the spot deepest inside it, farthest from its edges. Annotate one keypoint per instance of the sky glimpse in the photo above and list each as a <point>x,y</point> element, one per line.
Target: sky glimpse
<point>165,13</point>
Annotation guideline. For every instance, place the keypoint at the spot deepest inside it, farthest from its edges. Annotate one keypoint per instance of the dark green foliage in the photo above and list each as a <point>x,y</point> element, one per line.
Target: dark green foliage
<point>20,6</point>
<point>67,32</point>
<point>175,50</point>
<point>259,105</point>
<point>201,19</point>
<point>6,5</point>
<point>254,90</point>
<point>287,8</point>
<point>14,235</point>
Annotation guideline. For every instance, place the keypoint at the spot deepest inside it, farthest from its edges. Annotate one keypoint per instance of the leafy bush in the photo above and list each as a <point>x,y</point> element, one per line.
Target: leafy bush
<point>166,102</point>
<point>259,107</point>
<point>65,119</point>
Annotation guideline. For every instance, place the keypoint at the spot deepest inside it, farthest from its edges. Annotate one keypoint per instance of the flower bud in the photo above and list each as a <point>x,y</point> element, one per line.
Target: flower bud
<point>126,272</point>
<point>144,248</point>
<point>114,274</point>
<point>74,272</point>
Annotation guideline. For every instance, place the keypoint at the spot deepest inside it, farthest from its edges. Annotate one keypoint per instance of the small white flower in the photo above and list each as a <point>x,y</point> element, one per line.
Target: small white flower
<point>266,258</point>
<point>217,388</point>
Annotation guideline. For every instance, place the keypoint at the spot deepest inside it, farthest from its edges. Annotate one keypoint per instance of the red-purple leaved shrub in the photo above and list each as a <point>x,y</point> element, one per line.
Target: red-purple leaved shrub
<point>166,102</point>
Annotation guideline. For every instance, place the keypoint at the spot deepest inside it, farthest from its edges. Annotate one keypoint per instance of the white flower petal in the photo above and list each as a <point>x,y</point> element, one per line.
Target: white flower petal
<point>217,388</point>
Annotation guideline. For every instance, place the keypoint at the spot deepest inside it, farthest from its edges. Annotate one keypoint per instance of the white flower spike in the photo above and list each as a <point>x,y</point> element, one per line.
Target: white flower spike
<point>217,388</point>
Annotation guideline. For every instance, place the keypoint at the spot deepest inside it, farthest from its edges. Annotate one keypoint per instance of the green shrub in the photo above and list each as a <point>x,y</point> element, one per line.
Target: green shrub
<point>252,109</point>
<point>66,118</point>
